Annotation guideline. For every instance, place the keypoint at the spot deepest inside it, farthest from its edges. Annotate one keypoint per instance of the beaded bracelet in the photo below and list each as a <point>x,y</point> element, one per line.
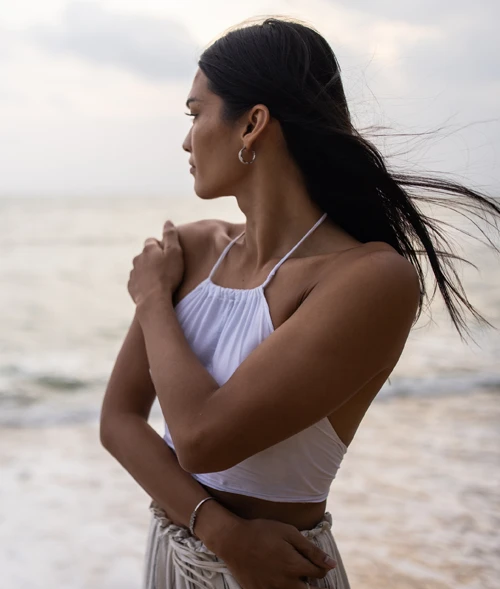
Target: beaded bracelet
<point>195,514</point>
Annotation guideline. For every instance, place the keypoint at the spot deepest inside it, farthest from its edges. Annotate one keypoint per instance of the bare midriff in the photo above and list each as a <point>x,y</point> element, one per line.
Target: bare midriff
<point>304,516</point>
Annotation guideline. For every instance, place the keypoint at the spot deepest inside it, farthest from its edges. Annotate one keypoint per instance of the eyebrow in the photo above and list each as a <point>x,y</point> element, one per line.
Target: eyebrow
<point>192,99</point>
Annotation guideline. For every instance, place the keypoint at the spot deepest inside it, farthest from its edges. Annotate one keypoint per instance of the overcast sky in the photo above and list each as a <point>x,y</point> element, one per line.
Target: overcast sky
<point>92,92</point>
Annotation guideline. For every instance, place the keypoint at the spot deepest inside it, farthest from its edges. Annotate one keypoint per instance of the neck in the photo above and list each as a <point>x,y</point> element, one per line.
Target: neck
<point>278,212</point>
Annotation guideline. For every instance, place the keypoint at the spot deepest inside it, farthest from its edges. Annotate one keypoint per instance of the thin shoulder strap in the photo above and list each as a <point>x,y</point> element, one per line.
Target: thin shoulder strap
<point>223,254</point>
<point>275,269</point>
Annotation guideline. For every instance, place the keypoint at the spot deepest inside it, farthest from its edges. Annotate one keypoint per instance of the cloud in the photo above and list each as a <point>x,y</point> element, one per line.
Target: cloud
<point>94,104</point>
<point>151,47</point>
<point>466,57</point>
<point>427,48</point>
<point>425,11</point>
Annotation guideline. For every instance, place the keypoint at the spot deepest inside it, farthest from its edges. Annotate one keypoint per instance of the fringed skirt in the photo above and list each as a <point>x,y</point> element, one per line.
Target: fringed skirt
<point>175,559</point>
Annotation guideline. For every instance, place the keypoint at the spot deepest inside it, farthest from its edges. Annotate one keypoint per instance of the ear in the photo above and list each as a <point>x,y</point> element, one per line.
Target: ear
<point>257,121</point>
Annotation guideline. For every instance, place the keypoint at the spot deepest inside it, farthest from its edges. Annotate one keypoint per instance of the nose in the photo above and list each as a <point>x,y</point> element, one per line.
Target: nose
<point>186,144</point>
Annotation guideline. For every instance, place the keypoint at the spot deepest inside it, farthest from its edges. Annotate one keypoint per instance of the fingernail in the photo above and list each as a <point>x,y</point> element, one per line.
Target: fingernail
<point>329,561</point>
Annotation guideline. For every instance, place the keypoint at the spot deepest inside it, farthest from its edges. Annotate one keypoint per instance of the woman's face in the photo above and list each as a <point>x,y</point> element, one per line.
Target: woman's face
<point>212,144</point>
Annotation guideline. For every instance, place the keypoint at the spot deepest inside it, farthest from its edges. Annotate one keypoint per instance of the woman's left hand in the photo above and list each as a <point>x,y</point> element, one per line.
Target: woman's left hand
<point>159,269</point>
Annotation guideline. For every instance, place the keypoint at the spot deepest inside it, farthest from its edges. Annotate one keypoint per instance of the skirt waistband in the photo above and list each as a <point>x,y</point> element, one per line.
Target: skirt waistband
<point>183,536</point>
<point>189,556</point>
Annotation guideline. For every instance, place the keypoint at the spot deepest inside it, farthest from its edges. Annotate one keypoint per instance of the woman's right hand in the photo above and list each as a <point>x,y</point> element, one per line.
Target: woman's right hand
<point>267,554</point>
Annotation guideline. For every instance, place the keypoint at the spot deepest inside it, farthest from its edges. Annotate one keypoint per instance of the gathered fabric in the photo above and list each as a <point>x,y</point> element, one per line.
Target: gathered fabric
<point>175,559</point>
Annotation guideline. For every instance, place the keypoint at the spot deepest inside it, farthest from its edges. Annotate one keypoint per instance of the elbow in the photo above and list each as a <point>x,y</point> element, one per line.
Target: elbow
<point>192,466</point>
<point>197,457</point>
<point>108,426</point>
<point>105,431</point>
<point>187,460</point>
<point>191,457</point>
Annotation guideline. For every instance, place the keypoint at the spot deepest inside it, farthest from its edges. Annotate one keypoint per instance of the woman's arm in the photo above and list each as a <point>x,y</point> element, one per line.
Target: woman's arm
<point>126,434</point>
<point>150,461</point>
<point>255,551</point>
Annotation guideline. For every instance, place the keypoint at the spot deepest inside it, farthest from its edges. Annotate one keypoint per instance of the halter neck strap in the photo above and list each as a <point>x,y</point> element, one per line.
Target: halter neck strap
<point>283,259</point>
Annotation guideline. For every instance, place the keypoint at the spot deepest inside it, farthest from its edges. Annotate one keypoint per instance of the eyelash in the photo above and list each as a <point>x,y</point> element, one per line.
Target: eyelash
<point>190,114</point>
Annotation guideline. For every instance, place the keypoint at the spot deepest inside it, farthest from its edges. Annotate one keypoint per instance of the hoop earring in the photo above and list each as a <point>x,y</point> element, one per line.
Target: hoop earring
<point>240,155</point>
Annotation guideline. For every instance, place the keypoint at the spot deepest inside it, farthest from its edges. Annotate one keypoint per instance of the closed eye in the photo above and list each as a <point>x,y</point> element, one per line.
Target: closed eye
<point>190,114</point>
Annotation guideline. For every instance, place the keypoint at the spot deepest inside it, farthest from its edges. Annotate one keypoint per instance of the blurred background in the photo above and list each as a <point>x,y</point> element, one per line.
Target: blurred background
<point>91,125</point>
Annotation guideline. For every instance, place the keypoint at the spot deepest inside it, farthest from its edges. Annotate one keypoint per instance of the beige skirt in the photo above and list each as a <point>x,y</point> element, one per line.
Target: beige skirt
<point>175,559</point>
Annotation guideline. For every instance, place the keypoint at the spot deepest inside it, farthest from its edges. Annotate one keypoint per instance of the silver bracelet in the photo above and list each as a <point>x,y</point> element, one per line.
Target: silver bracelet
<point>195,514</point>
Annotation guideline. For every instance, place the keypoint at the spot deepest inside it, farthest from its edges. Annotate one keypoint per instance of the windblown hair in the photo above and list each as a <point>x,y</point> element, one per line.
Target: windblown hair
<point>290,67</point>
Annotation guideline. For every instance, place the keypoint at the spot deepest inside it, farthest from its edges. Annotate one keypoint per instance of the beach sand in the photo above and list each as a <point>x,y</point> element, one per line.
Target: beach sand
<point>416,503</point>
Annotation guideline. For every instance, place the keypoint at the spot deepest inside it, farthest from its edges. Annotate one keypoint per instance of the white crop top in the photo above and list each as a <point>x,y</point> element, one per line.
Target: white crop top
<point>223,326</point>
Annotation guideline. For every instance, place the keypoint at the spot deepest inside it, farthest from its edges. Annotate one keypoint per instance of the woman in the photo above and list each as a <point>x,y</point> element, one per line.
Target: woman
<point>263,377</point>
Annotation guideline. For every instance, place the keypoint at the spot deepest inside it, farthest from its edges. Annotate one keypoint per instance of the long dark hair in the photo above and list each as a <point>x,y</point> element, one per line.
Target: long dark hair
<point>290,67</point>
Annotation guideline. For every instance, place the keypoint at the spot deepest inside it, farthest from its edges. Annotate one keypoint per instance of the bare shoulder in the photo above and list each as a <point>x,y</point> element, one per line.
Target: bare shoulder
<point>196,237</point>
<point>367,301</point>
<point>198,230</point>
<point>377,254</point>
<point>384,258</point>
<point>370,270</point>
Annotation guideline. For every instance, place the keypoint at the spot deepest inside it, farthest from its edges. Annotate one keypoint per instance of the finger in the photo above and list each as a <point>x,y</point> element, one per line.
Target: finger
<point>151,241</point>
<point>305,568</point>
<point>169,231</point>
<point>312,552</point>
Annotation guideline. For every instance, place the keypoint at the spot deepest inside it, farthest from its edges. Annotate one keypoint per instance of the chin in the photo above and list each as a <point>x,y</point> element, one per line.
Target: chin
<point>207,194</point>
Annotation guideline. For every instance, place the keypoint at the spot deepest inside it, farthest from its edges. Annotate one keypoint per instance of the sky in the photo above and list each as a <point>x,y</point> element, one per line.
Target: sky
<point>92,93</point>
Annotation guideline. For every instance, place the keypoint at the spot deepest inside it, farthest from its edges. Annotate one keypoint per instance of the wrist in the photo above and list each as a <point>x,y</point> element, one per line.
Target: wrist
<point>152,302</point>
<point>215,526</point>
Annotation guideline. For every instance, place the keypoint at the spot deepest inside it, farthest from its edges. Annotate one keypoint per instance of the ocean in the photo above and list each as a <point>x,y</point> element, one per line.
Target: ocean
<point>65,308</point>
